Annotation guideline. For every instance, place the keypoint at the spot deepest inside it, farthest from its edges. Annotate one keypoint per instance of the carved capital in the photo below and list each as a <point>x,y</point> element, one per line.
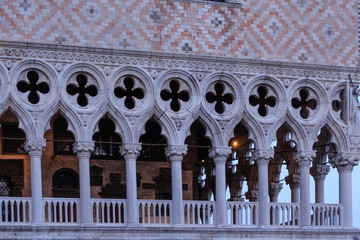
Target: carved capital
<point>304,158</point>
<point>83,148</point>
<point>293,180</point>
<point>252,195</point>
<point>344,160</point>
<point>275,188</point>
<point>319,171</point>
<point>263,156</point>
<point>176,152</point>
<point>35,146</point>
<point>130,150</point>
<point>220,154</point>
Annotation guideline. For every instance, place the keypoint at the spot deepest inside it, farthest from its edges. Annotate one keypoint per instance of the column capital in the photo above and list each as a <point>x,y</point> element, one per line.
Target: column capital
<point>83,147</point>
<point>304,158</point>
<point>263,156</point>
<point>176,152</point>
<point>130,150</point>
<point>35,146</point>
<point>319,171</point>
<point>293,180</point>
<point>344,160</point>
<point>275,188</point>
<point>252,195</point>
<point>220,154</point>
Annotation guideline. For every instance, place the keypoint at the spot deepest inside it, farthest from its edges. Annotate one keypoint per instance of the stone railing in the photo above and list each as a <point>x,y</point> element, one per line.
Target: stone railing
<point>15,210</point>
<point>284,214</point>
<point>154,211</point>
<point>61,210</point>
<point>199,212</point>
<point>109,211</point>
<point>243,213</point>
<point>327,215</point>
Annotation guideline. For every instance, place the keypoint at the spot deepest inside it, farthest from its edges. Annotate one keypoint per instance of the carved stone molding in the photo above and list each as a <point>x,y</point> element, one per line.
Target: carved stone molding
<point>344,160</point>
<point>83,148</point>
<point>197,63</point>
<point>176,152</point>
<point>252,195</point>
<point>293,180</point>
<point>319,171</point>
<point>130,150</point>
<point>263,156</point>
<point>220,154</point>
<point>35,146</point>
<point>304,158</point>
<point>275,188</point>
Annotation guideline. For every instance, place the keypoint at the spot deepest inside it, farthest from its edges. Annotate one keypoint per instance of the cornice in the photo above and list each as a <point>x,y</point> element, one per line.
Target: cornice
<point>157,60</point>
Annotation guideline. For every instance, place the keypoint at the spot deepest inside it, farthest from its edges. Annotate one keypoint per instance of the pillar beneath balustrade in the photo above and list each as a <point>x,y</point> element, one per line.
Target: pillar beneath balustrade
<point>304,158</point>
<point>319,173</point>
<point>35,148</point>
<point>262,158</point>
<point>131,151</point>
<point>293,181</point>
<point>176,154</point>
<point>220,155</point>
<point>83,151</point>
<point>344,162</point>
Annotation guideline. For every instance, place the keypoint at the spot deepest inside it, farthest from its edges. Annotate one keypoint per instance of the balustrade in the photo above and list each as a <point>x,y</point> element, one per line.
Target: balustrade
<point>284,214</point>
<point>327,215</point>
<point>243,213</point>
<point>154,211</point>
<point>109,211</point>
<point>199,212</point>
<point>15,210</point>
<point>61,210</point>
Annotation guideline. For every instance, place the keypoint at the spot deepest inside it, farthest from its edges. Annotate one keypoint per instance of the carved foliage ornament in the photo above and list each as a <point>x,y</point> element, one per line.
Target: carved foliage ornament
<point>83,147</point>
<point>304,158</point>
<point>35,145</point>
<point>222,152</point>
<point>344,159</point>
<point>130,150</point>
<point>176,151</point>
<point>263,155</point>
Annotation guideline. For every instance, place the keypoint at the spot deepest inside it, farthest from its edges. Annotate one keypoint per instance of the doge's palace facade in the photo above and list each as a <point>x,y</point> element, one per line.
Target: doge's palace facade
<point>173,119</point>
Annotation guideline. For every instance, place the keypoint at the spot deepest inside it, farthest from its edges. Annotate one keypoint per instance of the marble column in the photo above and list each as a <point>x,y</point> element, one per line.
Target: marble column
<point>131,151</point>
<point>35,148</point>
<point>344,162</point>
<point>83,151</point>
<point>293,181</point>
<point>176,154</point>
<point>262,158</point>
<point>275,188</point>
<point>303,159</point>
<point>319,173</point>
<point>220,155</point>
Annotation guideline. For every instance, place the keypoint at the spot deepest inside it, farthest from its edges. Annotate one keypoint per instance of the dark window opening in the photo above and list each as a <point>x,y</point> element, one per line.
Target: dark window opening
<point>82,89</point>
<point>65,183</point>
<point>13,138</point>
<point>153,144</point>
<point>63,139</point>
<point>33,86</point>
<point>107,142</point>
<point>129,92</point>
<point>96,178</point>
<point>175,94</point>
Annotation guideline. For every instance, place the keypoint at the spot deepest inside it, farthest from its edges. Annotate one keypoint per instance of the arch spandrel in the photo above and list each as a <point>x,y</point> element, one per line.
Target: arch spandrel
<point>4,85</point>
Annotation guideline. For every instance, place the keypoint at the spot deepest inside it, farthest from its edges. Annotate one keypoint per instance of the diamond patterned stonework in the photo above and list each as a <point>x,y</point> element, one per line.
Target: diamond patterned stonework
<point>323,31</point>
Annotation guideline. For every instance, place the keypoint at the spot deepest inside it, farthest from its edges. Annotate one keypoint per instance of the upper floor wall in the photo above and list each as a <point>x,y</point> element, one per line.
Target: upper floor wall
<point>303,31</point>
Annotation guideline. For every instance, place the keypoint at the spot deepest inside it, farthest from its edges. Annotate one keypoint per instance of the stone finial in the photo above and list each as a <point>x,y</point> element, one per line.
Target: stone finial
<point>252,195</point>
<point>130,150</point>
<point>263,156</point>
<point>275,188</point>
<point>176,152</point>
<point>220,154</point>
<point>35,146</point>
<point>319,171</point>
<point>304,158</point>
<point>344,159</point>
<point>293,180</point>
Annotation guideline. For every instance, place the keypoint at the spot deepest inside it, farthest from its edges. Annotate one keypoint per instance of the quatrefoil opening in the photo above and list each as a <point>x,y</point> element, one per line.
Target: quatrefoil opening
<point>219,97</point>
<point>175,95</point>
<point>304,103</point>
<point>263,100</point>
<point>129,92</point>
<point>82,90</point>
<point>33,86</point>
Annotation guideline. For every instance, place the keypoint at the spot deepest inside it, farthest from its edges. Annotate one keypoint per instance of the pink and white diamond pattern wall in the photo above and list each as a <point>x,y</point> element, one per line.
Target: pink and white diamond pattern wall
<point>311,31</point>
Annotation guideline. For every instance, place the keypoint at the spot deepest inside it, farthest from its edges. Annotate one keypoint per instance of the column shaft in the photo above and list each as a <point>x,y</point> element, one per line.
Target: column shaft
<point>345,194</point>
<point>304,195</point>
<point>177,197</point>
<point>263,194</point>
